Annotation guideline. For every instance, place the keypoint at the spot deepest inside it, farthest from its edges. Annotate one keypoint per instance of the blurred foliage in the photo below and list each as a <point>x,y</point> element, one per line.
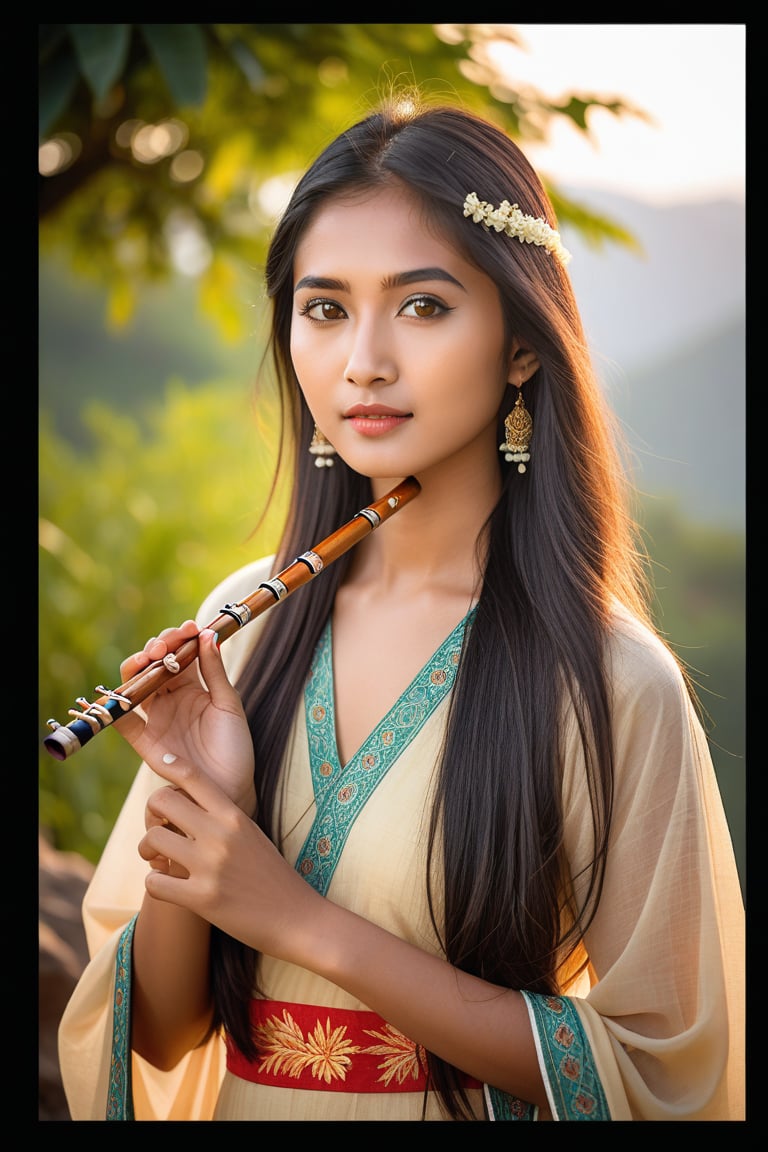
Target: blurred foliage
<point>699,577</point>
<point>133,534</point>
<point>165,142</point>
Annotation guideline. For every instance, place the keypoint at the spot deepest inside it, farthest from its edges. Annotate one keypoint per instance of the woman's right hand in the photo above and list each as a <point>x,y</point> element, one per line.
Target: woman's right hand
<point>197,715</point>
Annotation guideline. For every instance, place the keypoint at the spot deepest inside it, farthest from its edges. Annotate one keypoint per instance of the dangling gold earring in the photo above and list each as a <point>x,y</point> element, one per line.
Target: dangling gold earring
<point>518,429</point>
<point>322,450</point>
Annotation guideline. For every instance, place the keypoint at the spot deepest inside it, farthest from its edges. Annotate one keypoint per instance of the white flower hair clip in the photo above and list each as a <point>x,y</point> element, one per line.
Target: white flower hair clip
<point>508,218</point>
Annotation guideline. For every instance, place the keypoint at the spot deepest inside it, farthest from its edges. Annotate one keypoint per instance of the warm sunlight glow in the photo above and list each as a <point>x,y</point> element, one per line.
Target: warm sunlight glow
<point>58,154</point>
<point>152,142</point>
<point>187,166</point>
<point>269,198</point>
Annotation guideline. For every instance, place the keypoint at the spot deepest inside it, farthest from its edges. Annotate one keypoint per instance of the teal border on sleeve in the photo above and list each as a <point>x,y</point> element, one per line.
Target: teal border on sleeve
<point>502,1106</point>
<point>576,1091</point>
<point>120,1092</point>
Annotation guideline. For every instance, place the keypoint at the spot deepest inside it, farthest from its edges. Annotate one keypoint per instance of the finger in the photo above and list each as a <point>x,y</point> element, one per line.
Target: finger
<point>161,847</point>
<point>152,818</point>
<point>165,866</point>
<point>194,788</point>
<point>223,695</point>
<point>169,639</point>
<point>160,808</point>
<point>131,726</point>
<point>165,884</point>
<point>157,647</point>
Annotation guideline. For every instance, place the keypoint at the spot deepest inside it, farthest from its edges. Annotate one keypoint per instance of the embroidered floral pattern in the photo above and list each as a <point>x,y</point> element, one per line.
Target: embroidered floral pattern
<point>502,1106</point>
<point>324,1051</point>
<point>568,1062</point>
<point>402,1055</point>
<point>564,1036</point>
<point>328,1055</point>
<point>584,1105</point>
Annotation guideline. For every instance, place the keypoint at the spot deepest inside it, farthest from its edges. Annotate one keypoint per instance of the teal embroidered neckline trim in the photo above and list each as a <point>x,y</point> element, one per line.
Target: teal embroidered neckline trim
<point>341,791</point>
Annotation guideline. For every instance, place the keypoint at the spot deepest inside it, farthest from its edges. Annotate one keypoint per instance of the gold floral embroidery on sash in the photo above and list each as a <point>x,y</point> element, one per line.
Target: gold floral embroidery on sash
<point>328,1054</point>
<point>404,1059</point>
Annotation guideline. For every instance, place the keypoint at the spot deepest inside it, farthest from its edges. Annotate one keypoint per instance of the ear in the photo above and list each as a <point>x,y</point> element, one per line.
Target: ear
<point>522,364</point>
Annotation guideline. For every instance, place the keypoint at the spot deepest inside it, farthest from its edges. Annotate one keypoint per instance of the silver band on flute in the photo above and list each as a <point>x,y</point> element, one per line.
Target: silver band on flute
<point>370,515</point>
<point>241,613</point>
<point>276,587</point>
<point>312,561</point>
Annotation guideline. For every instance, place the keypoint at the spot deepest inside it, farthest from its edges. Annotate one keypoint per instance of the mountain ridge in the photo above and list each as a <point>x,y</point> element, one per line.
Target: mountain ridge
<point>667,331</point>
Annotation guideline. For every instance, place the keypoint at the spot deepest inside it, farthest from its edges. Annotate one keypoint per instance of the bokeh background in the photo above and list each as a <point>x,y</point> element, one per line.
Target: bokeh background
<point>166,152</point>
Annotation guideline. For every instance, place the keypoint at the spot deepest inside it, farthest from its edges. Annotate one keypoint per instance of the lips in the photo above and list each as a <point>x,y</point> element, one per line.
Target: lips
<point>375,419</point>
<point>367,411</point>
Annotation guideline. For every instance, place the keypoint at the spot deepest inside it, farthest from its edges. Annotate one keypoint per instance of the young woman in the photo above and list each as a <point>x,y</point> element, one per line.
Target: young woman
<point>440,837</point>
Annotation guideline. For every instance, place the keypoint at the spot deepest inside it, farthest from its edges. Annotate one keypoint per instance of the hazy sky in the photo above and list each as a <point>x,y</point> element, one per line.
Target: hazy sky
<point>691,78</point>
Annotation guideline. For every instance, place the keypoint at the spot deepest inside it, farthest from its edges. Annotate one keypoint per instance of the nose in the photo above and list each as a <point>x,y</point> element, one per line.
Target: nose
<point>371,358</point>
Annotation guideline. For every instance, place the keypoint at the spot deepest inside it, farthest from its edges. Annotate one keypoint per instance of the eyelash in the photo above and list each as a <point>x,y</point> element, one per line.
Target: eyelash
<point>422,298</point>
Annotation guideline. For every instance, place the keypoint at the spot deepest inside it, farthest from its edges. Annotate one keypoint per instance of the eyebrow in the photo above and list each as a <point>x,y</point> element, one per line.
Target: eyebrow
<point>396,280</point>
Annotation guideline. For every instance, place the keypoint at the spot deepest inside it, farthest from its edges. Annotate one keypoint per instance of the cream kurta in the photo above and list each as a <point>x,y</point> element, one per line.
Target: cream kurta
<point>662,1021</point>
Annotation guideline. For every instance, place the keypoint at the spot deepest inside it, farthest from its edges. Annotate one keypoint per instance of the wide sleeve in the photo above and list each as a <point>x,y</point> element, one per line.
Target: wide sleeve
<point>102,1079</point>
<point>658,1033</point>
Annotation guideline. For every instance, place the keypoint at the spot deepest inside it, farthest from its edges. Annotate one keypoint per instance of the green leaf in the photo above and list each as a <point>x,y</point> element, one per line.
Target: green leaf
<point>181,55</point>
<point>101,50</point>
<point>57,84</point>
<point>247,63</point>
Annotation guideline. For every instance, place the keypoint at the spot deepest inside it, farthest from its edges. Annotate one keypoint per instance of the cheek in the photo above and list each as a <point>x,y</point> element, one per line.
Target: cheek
<point>473,381</point>
<point>310,368</point>
<point>298,351</point>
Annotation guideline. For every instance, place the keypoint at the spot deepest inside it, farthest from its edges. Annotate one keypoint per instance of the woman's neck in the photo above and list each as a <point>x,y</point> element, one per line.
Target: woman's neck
<point>434,544</point>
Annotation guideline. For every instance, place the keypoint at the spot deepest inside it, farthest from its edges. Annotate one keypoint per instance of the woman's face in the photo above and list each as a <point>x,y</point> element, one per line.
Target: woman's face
<point>397,341</point>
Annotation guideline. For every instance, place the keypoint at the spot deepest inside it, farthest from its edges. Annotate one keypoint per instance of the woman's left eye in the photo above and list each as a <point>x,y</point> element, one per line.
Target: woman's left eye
<point>424,307</point>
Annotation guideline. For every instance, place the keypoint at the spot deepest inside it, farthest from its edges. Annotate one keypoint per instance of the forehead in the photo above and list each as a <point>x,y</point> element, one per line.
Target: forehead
<point>383,224</point>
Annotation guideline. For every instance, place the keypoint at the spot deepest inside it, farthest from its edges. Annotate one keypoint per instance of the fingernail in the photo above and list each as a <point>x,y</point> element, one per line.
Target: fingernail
<point>168,758</point>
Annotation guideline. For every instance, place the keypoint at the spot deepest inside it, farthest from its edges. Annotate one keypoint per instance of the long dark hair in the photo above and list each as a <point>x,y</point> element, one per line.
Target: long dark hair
<point>561,549</point>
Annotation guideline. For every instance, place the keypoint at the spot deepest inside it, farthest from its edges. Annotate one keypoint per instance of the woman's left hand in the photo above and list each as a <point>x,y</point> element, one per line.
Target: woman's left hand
<point>233,875</point>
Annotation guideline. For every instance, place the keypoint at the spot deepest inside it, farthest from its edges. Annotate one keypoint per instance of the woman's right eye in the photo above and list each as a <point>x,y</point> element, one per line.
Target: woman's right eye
<point>320,310</point>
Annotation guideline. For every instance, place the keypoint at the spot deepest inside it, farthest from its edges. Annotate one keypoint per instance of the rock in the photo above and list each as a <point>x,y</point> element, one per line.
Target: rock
<point>63,954</point>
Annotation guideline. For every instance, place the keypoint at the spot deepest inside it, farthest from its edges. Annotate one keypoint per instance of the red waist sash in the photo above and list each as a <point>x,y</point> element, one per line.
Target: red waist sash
<point>329,1050</point>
